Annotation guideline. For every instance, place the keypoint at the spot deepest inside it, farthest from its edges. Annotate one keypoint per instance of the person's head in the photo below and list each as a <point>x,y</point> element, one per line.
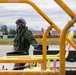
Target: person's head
<point>20,23</point>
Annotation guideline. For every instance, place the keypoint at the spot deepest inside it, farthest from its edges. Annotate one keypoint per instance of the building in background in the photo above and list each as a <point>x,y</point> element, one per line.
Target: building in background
<point>38,34</point>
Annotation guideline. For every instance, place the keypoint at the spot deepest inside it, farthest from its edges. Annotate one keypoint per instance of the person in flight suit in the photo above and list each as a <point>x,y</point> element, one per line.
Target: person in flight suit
<point>23,39</point>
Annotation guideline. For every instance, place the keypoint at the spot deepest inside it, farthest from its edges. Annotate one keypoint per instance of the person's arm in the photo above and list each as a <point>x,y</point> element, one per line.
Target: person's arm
<point>29,36</point>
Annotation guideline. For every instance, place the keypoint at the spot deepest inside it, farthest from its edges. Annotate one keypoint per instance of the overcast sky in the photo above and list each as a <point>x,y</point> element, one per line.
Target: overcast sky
<point>10,12</point>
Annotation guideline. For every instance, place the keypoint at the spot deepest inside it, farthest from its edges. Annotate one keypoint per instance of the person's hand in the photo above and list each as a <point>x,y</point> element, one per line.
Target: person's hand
<point>38,47</point>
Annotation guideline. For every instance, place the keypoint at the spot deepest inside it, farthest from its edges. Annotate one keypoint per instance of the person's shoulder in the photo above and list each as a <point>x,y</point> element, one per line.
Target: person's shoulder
<point>27,31</point>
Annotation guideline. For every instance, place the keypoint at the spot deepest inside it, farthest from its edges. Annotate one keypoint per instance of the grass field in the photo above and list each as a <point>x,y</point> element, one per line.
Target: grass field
<point>50,41</point>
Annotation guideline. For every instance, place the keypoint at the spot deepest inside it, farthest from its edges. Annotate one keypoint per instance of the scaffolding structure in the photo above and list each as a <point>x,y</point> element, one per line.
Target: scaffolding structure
<point>63,38</point>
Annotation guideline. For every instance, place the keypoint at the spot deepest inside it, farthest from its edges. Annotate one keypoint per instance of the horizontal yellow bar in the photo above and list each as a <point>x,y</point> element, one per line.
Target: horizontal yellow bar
<point>21,61</point>
<point>18,72</point>
<point>50,57</point>
<point>28,56</point>
<point>13,1</point>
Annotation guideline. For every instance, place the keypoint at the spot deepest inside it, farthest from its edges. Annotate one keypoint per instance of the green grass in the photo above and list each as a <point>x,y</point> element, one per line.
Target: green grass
<point>50,41</point>
<point>6,41</point>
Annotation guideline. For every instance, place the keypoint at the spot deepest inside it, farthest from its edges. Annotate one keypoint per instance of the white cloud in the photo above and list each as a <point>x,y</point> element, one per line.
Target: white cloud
<point>10,12</point>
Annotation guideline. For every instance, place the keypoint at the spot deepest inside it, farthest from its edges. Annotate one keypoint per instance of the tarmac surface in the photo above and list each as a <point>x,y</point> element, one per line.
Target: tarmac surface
<point>9,48</point>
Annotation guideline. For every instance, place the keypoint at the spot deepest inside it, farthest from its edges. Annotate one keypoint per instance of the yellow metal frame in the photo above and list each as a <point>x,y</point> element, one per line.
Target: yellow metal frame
<point>62,42</point>
<point>48,57</point>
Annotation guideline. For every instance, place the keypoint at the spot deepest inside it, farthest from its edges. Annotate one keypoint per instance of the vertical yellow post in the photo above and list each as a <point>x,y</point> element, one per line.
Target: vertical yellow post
<point>44,45</point>
<point>48,64</point>
<point>62,45</point>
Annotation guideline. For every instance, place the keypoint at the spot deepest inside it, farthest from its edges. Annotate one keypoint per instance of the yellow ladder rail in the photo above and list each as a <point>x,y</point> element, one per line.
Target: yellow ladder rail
<point>65,8</point>
<point>62,44</point>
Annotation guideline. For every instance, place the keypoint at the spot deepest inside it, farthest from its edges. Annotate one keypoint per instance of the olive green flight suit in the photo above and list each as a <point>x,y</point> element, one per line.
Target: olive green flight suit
<point>23,40</point>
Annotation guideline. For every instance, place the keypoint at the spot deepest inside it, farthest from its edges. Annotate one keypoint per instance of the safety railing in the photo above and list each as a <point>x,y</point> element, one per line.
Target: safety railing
<point>54,57</point>
<point>43,60</point>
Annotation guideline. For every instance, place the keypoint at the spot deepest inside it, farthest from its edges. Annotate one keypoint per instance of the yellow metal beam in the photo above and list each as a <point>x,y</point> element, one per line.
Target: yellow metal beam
<point>21,60</point>
<point>13,1</point>
<point>8,72</point>
<point>45,44</point>
<point>62,45</point>
<point>65,8</point>
<point>51,23</point>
